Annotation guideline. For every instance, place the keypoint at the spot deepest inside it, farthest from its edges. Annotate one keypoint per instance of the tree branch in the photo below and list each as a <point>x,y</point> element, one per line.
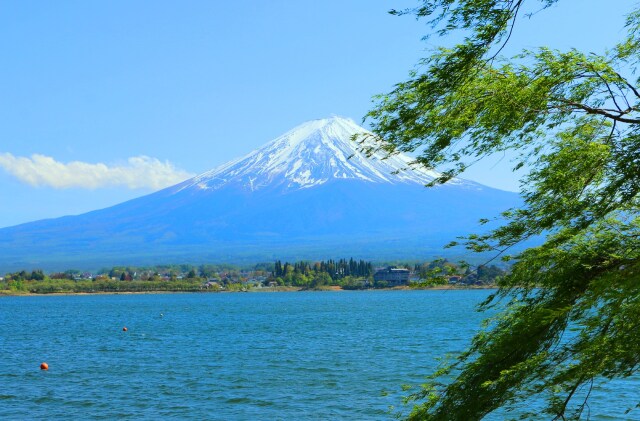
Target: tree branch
<point>635,91</point>
<point>516,8</point>
<point>602,112</point>
<point>613,97</point>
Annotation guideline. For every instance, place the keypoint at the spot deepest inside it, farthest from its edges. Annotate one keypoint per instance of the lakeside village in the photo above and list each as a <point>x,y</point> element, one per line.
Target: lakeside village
<point>303,275</point>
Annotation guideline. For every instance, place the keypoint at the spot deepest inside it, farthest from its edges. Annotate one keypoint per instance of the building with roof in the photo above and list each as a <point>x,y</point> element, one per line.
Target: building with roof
<point>393,275</point>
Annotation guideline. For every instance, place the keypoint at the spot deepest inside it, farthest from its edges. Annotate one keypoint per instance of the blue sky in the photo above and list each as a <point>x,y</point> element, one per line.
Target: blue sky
<point>135,95</point>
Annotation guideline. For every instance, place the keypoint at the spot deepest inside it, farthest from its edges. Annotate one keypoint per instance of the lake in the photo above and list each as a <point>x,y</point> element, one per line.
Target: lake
<point>253,356</point>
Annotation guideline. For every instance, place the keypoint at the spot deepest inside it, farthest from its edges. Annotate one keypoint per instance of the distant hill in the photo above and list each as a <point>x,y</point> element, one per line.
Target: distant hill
<point>309,194</point>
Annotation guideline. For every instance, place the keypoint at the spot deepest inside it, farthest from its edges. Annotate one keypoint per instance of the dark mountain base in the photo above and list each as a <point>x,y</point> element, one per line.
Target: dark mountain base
<point>339,219</point>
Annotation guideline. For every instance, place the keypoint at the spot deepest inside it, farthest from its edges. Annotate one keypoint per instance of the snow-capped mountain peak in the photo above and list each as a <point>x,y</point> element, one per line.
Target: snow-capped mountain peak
<point>299,196</point>
<point>312,154</point>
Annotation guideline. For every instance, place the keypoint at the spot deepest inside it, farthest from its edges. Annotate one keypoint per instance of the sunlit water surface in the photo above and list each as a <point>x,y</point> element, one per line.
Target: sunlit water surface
<point>254,356</point>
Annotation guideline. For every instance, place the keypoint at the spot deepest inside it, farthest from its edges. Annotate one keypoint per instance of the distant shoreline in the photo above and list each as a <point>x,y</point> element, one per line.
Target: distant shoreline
<point>7,293</point>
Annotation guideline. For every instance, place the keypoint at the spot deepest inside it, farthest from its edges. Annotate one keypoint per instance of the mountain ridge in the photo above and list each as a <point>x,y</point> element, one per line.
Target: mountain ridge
<point>311,154</point>
<point>298,196</point>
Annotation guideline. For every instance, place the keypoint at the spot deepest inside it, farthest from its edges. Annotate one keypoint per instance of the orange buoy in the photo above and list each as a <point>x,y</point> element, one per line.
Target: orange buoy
<point>124,329</point>
<point>44,366</point>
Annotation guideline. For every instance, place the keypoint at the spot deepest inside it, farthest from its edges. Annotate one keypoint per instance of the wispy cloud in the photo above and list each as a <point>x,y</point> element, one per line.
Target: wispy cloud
<point>139,172</point>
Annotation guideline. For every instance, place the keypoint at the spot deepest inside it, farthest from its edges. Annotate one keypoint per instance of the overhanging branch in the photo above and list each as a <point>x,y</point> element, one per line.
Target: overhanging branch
<point>599,111</point>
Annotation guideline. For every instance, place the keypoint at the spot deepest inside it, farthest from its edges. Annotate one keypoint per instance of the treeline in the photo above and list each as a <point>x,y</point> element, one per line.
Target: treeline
<point>34,275</point>
<point>344,273</point>
<point>179,271</point>
<point>442,272</point>
<point>50,286</point>
<point>348,274</point>
<point>170,278</point>
<point>335,269</point>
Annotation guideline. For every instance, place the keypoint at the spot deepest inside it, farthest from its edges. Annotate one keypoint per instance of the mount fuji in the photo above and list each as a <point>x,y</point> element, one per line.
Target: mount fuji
<point>308,194</point>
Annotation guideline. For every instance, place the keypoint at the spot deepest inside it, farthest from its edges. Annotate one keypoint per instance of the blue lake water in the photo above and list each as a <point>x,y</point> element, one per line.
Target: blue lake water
<point>254,356</point>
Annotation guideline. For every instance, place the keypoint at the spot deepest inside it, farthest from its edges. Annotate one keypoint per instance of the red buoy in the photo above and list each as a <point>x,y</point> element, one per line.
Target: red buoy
<point>44,366</point>
<point>124,329</point>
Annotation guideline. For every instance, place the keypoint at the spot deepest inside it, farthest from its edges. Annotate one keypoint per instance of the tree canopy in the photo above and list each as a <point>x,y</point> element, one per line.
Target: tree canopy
<point>570,308</point>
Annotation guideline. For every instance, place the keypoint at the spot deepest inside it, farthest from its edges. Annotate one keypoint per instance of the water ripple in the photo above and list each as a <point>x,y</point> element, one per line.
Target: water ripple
<point>303,356</point>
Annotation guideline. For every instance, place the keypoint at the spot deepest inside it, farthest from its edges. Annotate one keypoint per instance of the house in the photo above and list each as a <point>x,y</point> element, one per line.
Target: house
<point>211,285</point>
<point>455,279</point>
<point>392,275</point>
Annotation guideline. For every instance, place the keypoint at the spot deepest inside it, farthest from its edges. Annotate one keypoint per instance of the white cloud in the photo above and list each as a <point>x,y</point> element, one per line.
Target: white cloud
<point>140,172</point>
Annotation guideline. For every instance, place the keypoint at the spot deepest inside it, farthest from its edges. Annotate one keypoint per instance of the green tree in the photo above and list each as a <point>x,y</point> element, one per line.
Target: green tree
<point>573,117</point>
<point>489,273</point>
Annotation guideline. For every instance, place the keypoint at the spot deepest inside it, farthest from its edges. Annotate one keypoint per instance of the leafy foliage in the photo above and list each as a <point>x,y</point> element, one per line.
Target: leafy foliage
<point>574,119</point>
<point>350,274</point>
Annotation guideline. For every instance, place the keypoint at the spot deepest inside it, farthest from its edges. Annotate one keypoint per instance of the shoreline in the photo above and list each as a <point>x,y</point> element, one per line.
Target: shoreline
<point>8,293</point>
